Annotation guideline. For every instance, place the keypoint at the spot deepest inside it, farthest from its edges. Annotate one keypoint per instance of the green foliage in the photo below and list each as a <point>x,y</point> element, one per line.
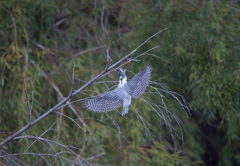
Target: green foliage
<point>202,43</point>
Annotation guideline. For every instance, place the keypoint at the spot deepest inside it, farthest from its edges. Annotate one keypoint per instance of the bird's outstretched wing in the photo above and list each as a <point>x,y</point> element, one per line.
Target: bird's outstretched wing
<point>104,102</point>
<point>139,82</point>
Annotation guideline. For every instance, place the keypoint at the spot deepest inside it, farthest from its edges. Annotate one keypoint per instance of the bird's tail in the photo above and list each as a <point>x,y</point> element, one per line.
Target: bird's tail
<point>125,111</point>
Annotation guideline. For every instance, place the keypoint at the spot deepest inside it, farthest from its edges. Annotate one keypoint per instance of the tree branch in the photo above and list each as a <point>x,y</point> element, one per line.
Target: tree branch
<point>10,138</point>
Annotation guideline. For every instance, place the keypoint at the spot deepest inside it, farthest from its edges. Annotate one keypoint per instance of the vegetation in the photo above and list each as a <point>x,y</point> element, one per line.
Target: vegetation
<point>40,41</point>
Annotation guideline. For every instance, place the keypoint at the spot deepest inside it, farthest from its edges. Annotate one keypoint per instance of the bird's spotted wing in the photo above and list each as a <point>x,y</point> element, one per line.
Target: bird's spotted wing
<point>104,102</point>
<point>139,82</point>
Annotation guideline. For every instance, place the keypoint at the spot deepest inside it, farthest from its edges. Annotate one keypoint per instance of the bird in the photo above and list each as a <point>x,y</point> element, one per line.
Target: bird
<point>121,96</point>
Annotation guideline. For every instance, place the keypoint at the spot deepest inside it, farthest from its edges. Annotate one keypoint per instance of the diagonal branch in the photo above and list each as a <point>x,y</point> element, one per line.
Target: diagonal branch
<point>56,107</point>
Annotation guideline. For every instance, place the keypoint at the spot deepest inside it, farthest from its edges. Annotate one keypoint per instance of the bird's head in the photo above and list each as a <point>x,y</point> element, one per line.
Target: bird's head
<point>122,77</point>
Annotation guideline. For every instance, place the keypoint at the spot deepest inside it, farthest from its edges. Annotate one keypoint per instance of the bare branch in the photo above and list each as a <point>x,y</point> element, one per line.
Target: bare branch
<point>70,119</point>
<point>71,82</point>
<point>60,93</point>
<point>75,93</point>
<point>96,156</point>
<point>40,136</point>
<point>28,103</point>
<point>106,54</point>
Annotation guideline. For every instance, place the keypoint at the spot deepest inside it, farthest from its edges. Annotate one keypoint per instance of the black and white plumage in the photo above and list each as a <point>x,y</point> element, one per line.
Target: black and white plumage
<point>111,100</point>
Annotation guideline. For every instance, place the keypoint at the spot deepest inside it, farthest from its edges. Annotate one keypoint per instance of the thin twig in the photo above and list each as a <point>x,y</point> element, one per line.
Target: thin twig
<point>106,54</point>
<point>28,103</point>
<point>54,86</point>
<point>40,136</point>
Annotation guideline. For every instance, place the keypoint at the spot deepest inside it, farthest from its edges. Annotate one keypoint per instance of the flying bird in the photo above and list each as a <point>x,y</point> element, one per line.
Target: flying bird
<point>122,95</point>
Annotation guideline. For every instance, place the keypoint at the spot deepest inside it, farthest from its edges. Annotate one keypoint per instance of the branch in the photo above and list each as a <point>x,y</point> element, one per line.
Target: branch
<point>54,86</point>
<point>28,103</point>
<point>56,107</point>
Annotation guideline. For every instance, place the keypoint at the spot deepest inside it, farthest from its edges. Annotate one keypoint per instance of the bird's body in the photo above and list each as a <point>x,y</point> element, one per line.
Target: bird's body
<point>111,100</point>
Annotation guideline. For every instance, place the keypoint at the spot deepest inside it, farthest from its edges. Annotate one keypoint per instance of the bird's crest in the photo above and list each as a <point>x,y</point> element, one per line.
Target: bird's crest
<point>122,77</point>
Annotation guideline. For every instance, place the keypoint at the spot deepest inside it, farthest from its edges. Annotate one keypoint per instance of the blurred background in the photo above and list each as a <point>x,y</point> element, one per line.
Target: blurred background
<point>40,39</point>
